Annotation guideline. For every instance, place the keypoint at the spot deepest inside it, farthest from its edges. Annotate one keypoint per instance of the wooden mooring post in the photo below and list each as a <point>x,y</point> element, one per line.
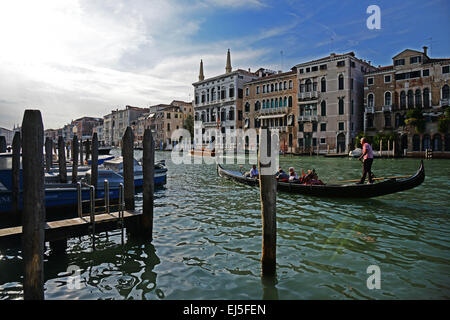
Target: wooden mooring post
<point>2,144</point>
<point>81,152</point>
<point>33,217</point>
<point>75,151</point>
<point>48,153</point>
<point>268,196</point>
<point>88,149</point>
<point>15,171</point>
<point>94,161</point>
<point>148,168</point>
<point>62,161</point>
<point>128,168</point>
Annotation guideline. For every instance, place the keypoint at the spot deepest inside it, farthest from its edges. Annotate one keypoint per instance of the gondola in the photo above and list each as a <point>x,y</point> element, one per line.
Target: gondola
<point>336,190</point>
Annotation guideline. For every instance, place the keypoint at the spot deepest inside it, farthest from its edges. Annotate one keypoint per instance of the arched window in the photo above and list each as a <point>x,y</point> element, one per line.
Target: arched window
<point>290,84</point>
<point>264,88</point>
<point>387,119</point>
<point>231,91</point>
<point>290,102</point>
<point>285,102</point>
<point>437,142</point>
<point>276,86</point>
<point>196,116</point>
<point>341,82</point>
<point>445,92</point>
<point>410,99</point>
<point>213,94</point>
<point>416,142</point>
<point>271,103</point>
<point>284,85</point>
<point>257,105</point>
<point>397,120</point>
<point>223,114</point>
<point>418,98</point>
<point>308,85</point>
<point>264,104</point>
<point>280,102</point>
<point>247,107</point>
<point>426,98</point>
<point>341,106</point>
<point>426,142</point>
<point>276,103</point>
<point>403,100</point>
<point>370,100</point>
<point>271,87</point>
<point>280,86</point>
<point>323,108</point>
<point>387,99</point>
<point>323,85</point>
<point>231,114</point>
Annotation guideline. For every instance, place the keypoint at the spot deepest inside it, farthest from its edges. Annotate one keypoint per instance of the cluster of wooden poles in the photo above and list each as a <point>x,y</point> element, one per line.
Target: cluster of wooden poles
<point>33,214</point>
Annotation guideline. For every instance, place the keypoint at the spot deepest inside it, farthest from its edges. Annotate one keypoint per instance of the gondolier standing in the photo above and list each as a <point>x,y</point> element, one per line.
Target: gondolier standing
<point>367,156</point>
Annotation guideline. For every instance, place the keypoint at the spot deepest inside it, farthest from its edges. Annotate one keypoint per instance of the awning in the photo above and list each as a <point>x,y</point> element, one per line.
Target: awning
<point>272,116</point>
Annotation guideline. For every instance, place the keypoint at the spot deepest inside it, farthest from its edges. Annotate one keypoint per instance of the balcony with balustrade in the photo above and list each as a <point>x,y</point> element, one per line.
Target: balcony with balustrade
<point>370,109</point>
<point>387,108</point>
<point>308,95</point>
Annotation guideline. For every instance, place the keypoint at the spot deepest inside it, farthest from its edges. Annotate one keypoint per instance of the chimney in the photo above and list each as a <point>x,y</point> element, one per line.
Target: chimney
<point>425,50</point>
<point>249,70</point>
<point>332,54</point>
<point>201,76</point>
<point>228,66</point>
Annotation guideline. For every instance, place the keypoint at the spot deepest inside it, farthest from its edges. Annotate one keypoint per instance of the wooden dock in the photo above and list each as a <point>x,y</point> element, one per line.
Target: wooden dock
<point>69,228</point>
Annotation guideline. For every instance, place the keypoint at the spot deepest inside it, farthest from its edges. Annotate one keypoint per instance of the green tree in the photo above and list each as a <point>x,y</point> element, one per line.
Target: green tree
<point>415,118</point>
<point>188,124</point>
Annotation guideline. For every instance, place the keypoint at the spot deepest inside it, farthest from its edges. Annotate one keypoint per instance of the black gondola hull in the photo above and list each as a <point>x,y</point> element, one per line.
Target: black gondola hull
<point>336,190</point>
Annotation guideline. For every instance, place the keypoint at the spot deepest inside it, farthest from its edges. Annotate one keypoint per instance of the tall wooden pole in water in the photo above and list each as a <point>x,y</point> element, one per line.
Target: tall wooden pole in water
<point>268,196</point>
<point>88,150</point>
<point>75,151</point>
<point>81,152</point>
<point>94,161</point>
<point>33,205</point>
<point>2,144</point>
<point>16,174</point>
<point>48,153</point>
<point>148,168</point>
<point>128,168</point>
<point>62,161</point>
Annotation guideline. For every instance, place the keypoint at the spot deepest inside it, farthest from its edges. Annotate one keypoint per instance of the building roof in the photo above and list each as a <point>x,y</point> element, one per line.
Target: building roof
<point>334,56</point>
<point>273,76</point>
<point>224,75</point>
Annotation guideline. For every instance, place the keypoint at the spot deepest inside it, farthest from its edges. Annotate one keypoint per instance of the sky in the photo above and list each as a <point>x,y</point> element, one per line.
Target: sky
<point>76,58</point>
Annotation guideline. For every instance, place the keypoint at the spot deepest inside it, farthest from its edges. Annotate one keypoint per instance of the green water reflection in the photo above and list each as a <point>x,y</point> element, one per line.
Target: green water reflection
<point>207,242</point>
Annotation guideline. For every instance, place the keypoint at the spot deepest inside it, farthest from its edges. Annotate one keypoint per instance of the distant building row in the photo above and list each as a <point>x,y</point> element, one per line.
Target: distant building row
<point>325,103</point>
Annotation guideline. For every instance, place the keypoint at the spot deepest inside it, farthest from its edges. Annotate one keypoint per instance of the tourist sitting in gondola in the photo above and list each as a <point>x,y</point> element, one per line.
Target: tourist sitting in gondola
<point>253,173</point>
<point>293,177</point>
<point>281,175</point>
<point>311,178</point>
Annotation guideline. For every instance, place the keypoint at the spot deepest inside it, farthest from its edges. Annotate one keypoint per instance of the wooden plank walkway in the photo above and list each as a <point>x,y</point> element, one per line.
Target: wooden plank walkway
<point>70,228</point>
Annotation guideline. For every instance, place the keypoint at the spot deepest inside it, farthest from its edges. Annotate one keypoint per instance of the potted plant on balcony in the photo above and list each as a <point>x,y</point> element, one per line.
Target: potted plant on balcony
<point>416,119</point>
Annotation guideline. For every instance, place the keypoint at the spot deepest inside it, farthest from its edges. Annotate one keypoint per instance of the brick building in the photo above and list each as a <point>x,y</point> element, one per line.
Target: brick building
<point>413,82</point>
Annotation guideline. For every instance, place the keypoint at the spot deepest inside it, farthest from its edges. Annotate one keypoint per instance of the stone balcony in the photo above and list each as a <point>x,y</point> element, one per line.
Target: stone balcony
<point>308,118</point>
<point>274,110</point>
<point>387,108</point>
<point>445,102</point>
<point>308,95</point>
<point>370,110</point>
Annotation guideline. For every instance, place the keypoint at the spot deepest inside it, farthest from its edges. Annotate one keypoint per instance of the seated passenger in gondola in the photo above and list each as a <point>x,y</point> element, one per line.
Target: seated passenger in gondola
<point>253,173</point>
<point>293,177</point>
<point>281,175</point>
<point>311,178</point>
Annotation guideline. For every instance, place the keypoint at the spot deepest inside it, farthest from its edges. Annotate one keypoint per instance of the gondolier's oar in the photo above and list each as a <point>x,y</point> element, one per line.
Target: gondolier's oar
<point>397,177</point>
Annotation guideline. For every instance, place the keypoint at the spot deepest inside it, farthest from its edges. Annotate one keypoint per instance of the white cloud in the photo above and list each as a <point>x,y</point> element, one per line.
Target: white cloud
<point>75,57</point>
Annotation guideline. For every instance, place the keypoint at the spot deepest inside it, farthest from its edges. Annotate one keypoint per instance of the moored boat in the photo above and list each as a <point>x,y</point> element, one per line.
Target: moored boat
<point>354,190</point>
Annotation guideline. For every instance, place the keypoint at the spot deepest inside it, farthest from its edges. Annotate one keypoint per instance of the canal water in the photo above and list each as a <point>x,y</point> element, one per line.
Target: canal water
<point>207,242</point>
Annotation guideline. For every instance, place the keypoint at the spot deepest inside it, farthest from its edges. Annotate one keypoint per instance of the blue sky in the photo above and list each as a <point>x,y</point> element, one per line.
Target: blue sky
<point>85,57</point>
